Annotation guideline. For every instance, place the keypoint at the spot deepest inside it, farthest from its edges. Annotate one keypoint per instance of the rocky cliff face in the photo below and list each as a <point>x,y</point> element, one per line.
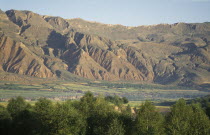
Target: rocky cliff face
<point>45,46</point>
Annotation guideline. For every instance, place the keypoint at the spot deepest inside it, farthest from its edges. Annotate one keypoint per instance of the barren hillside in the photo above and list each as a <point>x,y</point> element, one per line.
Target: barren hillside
<point>53,47</point>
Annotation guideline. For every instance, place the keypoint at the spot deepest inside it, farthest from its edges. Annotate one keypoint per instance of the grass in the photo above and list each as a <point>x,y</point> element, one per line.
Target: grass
<point>3,104</point>
<point>61,90</point>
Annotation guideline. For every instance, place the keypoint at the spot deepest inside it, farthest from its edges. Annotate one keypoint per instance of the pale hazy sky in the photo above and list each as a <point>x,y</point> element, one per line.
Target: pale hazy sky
<point>125,12</point>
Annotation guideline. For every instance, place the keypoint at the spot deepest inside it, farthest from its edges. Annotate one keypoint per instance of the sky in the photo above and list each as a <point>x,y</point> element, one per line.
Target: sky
<point>125,12</point>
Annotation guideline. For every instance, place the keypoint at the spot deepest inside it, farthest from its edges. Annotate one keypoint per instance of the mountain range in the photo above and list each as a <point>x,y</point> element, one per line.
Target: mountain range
<point>34,45</point>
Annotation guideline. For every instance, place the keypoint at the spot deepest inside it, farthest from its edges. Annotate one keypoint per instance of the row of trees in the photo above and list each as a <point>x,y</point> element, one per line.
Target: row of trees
<point>95,116</point>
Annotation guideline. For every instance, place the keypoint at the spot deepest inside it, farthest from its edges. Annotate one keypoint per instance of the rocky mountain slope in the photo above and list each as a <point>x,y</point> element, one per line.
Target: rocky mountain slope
<point>53,47</point>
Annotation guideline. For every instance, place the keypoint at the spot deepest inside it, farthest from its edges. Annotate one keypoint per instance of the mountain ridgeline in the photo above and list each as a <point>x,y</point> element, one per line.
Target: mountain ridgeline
<point>53,47</point>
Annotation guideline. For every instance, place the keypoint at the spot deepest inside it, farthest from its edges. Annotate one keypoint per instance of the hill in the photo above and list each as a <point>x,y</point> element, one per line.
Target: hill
<point>53,47</point>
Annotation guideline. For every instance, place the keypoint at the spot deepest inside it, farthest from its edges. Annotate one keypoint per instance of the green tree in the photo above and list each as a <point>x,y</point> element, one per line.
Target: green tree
<point>149,121</point>
<point>128,110</point>
<point>22,116</point>
<point>205,103</point>
<point>100,116</point>
<point>117,100</point>
<point>67,120</point>
<point>86,103</point>
<point>178,119</point>
<point>208,109</point>
<point>43,113</point>
<point>16,105</point>
<point>116,128</point>
<point>5,121</point>
<point>187,119</point>
<point>199,122</point>
<point>24,123</point>
<point>127,118</point>
<point>125,100</point>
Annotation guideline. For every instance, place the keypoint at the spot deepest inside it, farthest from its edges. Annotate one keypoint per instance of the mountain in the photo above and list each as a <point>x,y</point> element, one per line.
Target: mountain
<point>53,47</point>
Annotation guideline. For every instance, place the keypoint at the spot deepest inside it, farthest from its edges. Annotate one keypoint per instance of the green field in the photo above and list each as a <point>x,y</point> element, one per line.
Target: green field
<point>63,90</point>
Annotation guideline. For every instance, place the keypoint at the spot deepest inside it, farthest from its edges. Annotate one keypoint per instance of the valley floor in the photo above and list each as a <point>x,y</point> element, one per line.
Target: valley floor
<point>63,90</point>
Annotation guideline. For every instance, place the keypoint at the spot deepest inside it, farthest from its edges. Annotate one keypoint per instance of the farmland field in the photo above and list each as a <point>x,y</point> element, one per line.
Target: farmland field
<point>63,90</point>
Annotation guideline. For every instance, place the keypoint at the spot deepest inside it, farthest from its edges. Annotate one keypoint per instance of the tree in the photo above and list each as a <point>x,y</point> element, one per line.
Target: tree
<point>22,116</point>
<point>67,120</point>
<point>128,109</point>
<point>178,119</point>
<point>116,128</point>
<point>149,121</point>
<point>205,103</point>
<point>86,103</point>
<point>126,117</point>
<point>208,109</point>
<point>43,113</point>
<point>16,105</point>
<point>125,100</point>
<point>24,123</point>
<point>5,121</point>
<point>100,116</point>
<point>187,119</point>
<point>199,122</point>
<point>117,100</point>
